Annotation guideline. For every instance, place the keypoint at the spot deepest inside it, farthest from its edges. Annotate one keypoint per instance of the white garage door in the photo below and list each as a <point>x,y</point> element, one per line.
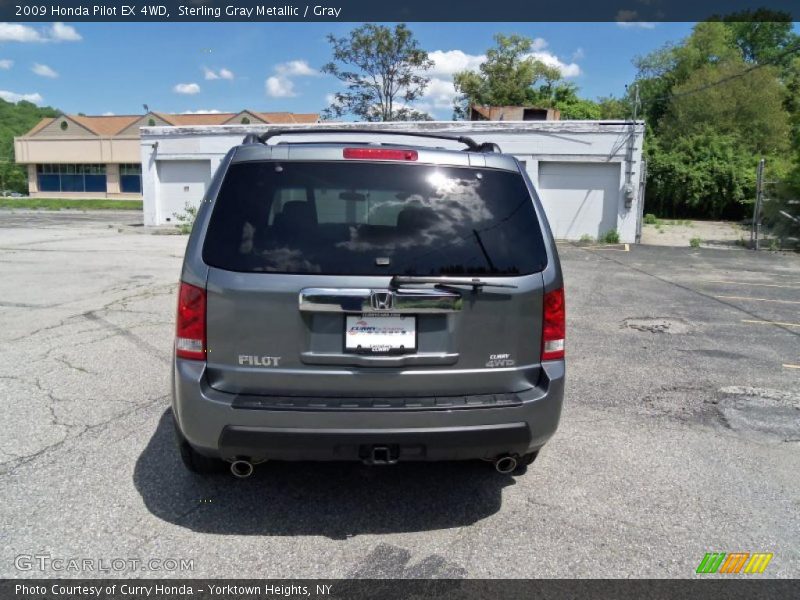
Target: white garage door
<point>580,198</point>
<point>180,181</point>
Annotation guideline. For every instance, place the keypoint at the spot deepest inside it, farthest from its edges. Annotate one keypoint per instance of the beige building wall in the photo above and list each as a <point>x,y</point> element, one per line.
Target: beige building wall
<point>112,179</point>
<point>110,152</point>
<point>99,150</point>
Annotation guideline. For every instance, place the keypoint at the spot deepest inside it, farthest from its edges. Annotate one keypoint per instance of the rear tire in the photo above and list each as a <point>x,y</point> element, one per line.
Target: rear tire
<point>523,462</point>
<point>193,460</point>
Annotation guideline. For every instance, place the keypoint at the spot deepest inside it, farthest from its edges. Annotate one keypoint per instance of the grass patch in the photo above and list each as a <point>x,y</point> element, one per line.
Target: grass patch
<point>695,242</point>
<point>611,237</point>
<point>69,203</point>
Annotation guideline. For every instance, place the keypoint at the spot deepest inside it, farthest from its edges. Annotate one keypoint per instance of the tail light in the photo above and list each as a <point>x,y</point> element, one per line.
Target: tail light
<point>190,328</point>
<point>554,325</point>
<point>379,154</point>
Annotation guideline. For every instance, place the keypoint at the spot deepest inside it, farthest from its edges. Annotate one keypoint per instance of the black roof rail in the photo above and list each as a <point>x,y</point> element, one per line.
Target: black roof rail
<point>472,145</point>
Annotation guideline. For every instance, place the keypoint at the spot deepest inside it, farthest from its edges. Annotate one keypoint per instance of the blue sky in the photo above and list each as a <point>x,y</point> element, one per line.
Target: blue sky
<point>99,68</point>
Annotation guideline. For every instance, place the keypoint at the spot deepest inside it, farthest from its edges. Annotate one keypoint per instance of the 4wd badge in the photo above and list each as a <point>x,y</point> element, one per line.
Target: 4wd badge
<point>500,360</point>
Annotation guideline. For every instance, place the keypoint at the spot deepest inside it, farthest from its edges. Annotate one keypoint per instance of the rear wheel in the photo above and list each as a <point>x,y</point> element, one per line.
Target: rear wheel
<point>193,460</point>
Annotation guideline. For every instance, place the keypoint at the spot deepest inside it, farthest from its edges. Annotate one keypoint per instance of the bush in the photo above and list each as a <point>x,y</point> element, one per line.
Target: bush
<point>186,219</point>
<point>586,239</point>
<point>695,242</point>
<point>611,237</point>
<point>650,219</point>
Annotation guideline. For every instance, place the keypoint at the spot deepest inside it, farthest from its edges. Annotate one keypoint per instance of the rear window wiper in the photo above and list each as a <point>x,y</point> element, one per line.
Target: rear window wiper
<point>475,282</point>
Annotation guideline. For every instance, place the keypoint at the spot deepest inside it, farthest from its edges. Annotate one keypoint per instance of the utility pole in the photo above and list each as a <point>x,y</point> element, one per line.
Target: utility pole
<point>756,226</point>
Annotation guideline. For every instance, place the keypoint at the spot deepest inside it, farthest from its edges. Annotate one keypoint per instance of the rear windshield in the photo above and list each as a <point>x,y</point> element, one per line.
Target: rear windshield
<point>358,218</point>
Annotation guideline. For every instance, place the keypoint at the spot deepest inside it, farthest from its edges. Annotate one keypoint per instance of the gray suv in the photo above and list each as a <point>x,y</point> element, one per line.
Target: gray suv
<point>368,301</point>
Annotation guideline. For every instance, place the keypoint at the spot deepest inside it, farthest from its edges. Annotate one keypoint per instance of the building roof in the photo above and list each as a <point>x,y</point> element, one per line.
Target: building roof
<point>105,126</point>
<point>109,126</point>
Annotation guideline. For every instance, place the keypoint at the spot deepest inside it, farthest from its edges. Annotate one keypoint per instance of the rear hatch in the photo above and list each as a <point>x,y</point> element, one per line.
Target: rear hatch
<point>325,279</point>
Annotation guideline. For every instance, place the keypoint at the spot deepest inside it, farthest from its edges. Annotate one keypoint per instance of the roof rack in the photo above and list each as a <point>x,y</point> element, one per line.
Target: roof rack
<point>471,145</point>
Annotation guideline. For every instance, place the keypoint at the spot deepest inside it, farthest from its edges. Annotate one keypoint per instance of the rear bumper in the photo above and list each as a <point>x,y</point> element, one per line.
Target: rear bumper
<point>216,424</point>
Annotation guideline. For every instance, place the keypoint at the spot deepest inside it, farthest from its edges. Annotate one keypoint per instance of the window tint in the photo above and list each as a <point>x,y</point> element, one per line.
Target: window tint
<point>352,218</point>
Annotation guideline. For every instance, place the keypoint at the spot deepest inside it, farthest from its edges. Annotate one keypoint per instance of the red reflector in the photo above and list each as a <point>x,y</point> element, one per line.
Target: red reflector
<point>379,154</point>
<point>554,325</point>
<point>190,327</point>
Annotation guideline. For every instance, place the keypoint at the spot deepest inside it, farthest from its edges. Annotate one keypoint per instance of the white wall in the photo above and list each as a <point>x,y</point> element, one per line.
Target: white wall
<point>616,142</point>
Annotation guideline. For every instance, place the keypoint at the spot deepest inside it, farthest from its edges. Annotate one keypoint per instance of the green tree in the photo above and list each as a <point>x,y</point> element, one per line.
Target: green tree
<point>511,76</point>
<point>615,108</point>
<point>17,119</point>
<point>383,70</point>
<point>715,104</point>
<point>762,35</point>
<point>704,173</point>
<point>749,105</point>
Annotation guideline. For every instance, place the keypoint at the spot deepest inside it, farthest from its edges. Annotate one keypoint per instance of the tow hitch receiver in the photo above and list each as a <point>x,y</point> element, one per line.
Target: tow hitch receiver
<point>380,455</point>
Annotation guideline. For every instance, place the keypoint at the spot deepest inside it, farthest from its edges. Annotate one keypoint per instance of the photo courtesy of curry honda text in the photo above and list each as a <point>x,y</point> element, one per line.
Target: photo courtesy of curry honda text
<point>375,301</point>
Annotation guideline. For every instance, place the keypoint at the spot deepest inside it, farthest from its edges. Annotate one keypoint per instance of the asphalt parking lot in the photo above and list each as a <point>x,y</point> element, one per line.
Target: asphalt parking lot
<point>680,433</point>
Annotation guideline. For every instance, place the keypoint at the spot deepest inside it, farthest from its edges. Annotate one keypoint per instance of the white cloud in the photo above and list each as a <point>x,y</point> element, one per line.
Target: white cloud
<point>57,32</point>
<point>539,44</point>
<point>280,87</point>
<point>439,94</point>
<point>6,64</point>
<point>186,88</point>
<point>108,114</point>
<point>578,54</point>
<point>44,71</point>
<point>223,73</point>
<point>202,111</point>
<point>295,68</point>
<point>627,20</point>
<point>14,97</point>
<point>448,62</point>
<point>14,32</point>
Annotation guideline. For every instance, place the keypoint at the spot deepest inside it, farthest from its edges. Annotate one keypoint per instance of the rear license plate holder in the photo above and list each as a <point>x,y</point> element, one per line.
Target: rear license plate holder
<point>380,334</point>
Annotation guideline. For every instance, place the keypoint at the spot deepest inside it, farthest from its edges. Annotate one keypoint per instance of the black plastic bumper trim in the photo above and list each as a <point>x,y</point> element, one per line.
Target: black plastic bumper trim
<point>323,403</point>
<point>441,443</point>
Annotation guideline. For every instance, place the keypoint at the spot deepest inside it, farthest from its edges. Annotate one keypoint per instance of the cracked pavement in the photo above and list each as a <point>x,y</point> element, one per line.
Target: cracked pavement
<point>680,433</point>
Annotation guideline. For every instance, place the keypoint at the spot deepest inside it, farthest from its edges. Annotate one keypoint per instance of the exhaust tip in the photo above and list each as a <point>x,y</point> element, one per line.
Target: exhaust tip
<point>242,469</point>
<point>505,464</point>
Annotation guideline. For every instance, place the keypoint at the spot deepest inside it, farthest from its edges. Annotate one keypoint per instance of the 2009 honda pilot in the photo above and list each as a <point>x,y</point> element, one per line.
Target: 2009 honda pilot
<point>368,301</point>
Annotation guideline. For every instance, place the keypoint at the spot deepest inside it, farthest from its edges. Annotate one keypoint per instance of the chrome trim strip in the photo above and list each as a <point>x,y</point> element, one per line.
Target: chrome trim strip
<point>361,360</point>
<point>359,300</point>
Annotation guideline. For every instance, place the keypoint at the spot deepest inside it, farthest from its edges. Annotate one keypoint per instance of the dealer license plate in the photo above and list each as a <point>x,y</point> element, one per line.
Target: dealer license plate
<point>380,334</point>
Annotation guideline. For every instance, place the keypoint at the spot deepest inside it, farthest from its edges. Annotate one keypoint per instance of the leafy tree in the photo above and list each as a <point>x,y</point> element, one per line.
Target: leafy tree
<point>615,108</point>
<point>565,99</point>
<point>715,104</point>
<point>17,119</point>
<point>383,70</point>
<point>749,104</point>
<point>762,35</point>
<point>704,173</point>
<point>511,76</point>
